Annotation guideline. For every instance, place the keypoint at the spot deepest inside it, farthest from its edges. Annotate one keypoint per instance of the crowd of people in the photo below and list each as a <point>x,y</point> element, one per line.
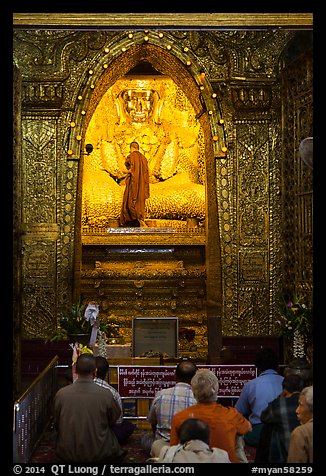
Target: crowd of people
<point>273,415</point>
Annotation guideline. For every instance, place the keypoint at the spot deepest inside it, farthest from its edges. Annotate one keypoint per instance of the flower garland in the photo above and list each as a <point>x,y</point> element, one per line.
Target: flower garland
<point>101,339</point>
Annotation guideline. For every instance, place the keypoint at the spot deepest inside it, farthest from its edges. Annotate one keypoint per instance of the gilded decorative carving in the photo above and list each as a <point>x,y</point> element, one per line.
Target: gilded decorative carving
<point>252,98</point>
<point>252,153</point>
<point>145,270</point>
<point>47,52</point>
<point>45,95</point>
<point>298,179</point>
<point>17,242</point>
<point>253,267</point>
<point>39,189</point>
<point>39,304</point>
<point>170,235</point>
<point>253,316</point>
<point>250,204</point>
<point>39,263</point>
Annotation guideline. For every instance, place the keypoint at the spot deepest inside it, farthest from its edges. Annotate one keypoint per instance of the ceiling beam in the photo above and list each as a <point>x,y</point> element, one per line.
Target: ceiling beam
<point>179,21</point>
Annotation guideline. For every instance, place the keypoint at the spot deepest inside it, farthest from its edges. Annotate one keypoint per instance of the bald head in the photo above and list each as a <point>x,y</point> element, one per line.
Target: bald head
<point>134,146</point>
<point>185,371</point>
<point>86,365</point>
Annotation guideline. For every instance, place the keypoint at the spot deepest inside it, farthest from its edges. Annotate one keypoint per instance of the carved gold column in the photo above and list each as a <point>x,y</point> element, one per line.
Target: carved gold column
<point>17,222</point>
<point>39,196</point>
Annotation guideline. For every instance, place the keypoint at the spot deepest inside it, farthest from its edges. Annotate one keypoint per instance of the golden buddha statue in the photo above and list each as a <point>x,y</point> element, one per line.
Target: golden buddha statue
<point>169,137</point>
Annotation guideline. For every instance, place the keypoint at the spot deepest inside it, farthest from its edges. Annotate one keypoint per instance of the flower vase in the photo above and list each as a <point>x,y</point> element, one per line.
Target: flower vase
<point>298,345</point>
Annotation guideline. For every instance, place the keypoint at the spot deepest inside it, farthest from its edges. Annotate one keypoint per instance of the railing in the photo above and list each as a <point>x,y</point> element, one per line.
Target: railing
<point>32,412</point>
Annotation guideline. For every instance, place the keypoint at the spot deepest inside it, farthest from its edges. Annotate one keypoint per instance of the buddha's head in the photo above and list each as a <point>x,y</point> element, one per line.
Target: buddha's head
<point>138,105</point>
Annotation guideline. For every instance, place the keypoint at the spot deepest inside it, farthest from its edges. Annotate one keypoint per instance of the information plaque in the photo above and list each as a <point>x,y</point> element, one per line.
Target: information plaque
<point>159,334</point>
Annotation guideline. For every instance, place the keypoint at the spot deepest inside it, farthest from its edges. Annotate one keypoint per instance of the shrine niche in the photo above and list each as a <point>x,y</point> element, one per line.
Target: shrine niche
<point>171,138</point>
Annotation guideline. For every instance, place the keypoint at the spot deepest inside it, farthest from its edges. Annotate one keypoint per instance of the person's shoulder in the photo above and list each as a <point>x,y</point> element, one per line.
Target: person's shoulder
<point>187,411</point>
<point>63,390</point>
<point>221,455</point>
<point>291,400</point>
<point>307,427</point>
<point>297,431</point>
<point>67,391</point>
<point>303,429</point>
<point>163,393</point>
<point>179,416</point>
<point>101,390</point>
<point>247,387</point>
<point>229,410</point>
<point>166,391</point>
<point>182,384</point>
<point>269,373</point>
<point>104,384</point>
<point>113,390</point>
<point>234,414</point>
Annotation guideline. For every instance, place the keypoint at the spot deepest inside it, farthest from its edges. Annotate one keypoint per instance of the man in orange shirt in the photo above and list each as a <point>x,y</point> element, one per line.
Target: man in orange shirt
<point>225,423</point>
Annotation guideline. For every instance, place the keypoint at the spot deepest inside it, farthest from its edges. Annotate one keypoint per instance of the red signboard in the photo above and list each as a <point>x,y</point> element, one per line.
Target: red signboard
<point>231,378</point>
<point>137,381</point>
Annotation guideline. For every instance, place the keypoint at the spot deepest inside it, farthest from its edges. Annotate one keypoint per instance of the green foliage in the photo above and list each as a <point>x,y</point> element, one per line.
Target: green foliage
<point>73,323</point>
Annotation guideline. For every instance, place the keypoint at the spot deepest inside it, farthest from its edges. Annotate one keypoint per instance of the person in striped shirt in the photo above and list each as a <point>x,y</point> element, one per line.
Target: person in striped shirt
<point>169,401</point>
<point>122,428</point>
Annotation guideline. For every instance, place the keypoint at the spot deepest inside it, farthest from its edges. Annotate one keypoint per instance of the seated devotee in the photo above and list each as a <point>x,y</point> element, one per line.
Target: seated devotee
<point>122,428</point>
<point>193,447</point>
<point>279,419</point>
<point>301,439</point>
<point>225,423</point>
<point>169,401</point>
<point>83,416</point>
<point>302,368</point>
<point>258,392</point>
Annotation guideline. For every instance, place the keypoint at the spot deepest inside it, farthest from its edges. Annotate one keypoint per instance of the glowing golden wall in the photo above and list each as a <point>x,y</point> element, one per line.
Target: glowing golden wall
<point>241,238</point>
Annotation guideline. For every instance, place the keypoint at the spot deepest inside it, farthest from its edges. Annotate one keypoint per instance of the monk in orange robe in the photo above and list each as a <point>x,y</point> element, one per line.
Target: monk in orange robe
<point>136,190</point>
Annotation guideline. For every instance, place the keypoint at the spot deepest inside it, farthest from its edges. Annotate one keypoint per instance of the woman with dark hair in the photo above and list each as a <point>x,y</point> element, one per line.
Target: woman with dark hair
<point>194,446</point>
